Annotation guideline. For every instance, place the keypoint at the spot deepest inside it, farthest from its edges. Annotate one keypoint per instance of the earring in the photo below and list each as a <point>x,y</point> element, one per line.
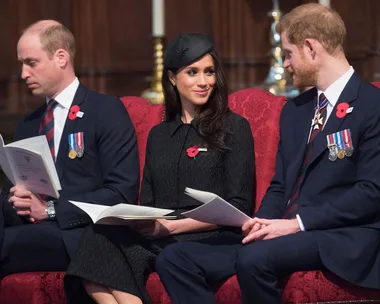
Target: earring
<point>173,83</point>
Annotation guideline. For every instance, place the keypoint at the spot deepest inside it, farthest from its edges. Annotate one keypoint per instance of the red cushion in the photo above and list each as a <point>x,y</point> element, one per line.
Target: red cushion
<point>226,294</point>
<point>144,116</point>
<point>262,109</point>
<point>33,288</point>
<point>321,287</point>
<point>303,287</point>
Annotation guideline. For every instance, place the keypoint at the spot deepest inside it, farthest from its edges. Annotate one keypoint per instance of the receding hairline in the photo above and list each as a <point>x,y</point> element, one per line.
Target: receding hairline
<point>52,35</point>
<point>40,26</point>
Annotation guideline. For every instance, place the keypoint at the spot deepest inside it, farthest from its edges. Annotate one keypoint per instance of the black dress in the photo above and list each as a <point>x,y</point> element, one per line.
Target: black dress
<point>120,258</point>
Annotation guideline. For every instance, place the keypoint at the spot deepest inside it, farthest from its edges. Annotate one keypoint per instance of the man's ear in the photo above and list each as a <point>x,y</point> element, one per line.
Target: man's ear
<point>172,78</point>
<point>310,47</point>
<point>62,57</point>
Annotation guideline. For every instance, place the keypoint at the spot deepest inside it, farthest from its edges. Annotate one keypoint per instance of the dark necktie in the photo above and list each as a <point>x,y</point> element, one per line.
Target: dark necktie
<point>318,123</point>
<point>47,125</point>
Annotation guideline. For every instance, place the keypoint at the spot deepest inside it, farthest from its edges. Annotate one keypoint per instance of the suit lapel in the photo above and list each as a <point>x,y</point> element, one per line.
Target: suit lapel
<point>333,124</point>
<point>302,131</point>
<point>32,124</point>
<point>68,129</point>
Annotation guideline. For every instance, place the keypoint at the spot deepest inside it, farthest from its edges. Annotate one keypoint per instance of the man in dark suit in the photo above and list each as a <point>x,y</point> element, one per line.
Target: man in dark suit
<point>322,209</point>
<point>92,141</point>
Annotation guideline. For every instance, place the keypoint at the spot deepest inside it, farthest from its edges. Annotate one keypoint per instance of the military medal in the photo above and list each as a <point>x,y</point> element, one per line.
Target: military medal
<point>80,152</point>
<point>332,153</point>
<point>80,144</point>
<point>348,152</point>
<point>332,147</point>
<point>348,143</point>
<point>76,145</point>
<point>72,151</point>
<point>317,120</point>
<point>341,153</point>
<point>72,154</point>
<point>339,137</point>
<point>72,146</point>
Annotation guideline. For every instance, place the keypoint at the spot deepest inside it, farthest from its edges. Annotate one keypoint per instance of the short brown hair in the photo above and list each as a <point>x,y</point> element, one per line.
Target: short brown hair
<point>53,36</point>
<point>317,22</point>
<point>58,37</point>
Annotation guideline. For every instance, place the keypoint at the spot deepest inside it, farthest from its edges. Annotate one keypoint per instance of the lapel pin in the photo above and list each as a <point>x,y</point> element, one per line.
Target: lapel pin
<point>193,151</point>
<point>349,110</point>
<point>341,109</point>
<point>73,113</point>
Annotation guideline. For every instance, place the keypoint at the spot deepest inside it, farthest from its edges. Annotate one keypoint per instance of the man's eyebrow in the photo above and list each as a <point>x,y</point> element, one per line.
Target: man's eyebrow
<point>28,59</point>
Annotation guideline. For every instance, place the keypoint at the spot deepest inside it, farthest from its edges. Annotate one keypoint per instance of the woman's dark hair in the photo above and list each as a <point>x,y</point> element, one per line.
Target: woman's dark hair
<point>211,117</point>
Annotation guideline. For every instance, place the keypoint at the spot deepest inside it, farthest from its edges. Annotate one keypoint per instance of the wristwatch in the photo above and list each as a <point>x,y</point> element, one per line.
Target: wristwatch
<point>50,210</point>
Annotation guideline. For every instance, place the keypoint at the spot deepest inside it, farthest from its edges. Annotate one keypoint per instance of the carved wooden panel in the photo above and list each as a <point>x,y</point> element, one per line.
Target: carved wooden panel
<point>114,48</point>
<point>362,43</point>
<point>114,51</point>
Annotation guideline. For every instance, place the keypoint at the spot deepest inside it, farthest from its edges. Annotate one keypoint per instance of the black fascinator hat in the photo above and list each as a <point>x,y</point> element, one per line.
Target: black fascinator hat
<point>186,49</point>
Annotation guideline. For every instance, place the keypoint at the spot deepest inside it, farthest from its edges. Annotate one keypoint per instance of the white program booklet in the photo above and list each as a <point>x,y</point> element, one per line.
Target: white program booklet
<point>29,163</point>
<point>214,210</point>
<point>118,214</point>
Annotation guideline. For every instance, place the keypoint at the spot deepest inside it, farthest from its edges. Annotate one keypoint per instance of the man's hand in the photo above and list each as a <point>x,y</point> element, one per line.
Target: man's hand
<point>270,230</point>
<point>156,228</point>
<point>28,204</point>
<point>251,226</point>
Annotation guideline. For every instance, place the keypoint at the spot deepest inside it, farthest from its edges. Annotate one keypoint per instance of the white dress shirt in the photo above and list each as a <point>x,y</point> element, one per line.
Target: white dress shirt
<point>332,94</point>
<point>64,100</point>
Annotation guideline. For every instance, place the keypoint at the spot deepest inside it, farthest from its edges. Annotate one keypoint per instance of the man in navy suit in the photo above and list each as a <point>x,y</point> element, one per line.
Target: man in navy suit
<point>93,142</point>
<point>322,209</point>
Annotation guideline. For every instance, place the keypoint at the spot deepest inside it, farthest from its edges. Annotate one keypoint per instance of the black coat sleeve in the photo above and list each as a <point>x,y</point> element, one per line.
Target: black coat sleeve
<point>146,193</point>
<point>240,166</point>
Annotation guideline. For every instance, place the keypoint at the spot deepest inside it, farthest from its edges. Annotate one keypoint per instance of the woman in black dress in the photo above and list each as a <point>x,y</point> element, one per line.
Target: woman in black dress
<point>114,262</point>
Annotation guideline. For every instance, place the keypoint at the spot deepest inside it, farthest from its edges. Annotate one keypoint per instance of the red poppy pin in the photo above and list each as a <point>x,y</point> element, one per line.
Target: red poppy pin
<point>192,151</point>
<point>341,109</point>
<point>74,112</point>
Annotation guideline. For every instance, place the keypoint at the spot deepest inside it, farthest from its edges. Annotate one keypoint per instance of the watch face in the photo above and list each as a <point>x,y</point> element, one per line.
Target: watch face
<point>51,210</point>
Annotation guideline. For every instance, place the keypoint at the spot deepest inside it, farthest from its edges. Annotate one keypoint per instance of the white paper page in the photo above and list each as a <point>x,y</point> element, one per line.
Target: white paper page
<point>40,145</point>
<point>126,211</point>
<point>30,171</point>
<point>101,213</point>
<point>128,221</point>
<point>218,212</point>
<point>92,210</point>
<point>202,196</point>
<point>4,163</point>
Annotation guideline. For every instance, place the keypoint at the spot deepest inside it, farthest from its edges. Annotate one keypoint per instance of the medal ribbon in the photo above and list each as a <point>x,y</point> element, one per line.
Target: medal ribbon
<point>71,142</point>
<point>347,138</point>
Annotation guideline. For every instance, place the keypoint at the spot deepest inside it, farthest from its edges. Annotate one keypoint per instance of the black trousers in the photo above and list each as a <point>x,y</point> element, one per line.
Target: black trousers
<point>33,247</point>
<point>188,270</point>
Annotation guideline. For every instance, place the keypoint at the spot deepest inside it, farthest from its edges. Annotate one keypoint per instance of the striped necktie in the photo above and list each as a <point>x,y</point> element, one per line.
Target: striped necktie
<point>47,125</point>
<point>317,126</point>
